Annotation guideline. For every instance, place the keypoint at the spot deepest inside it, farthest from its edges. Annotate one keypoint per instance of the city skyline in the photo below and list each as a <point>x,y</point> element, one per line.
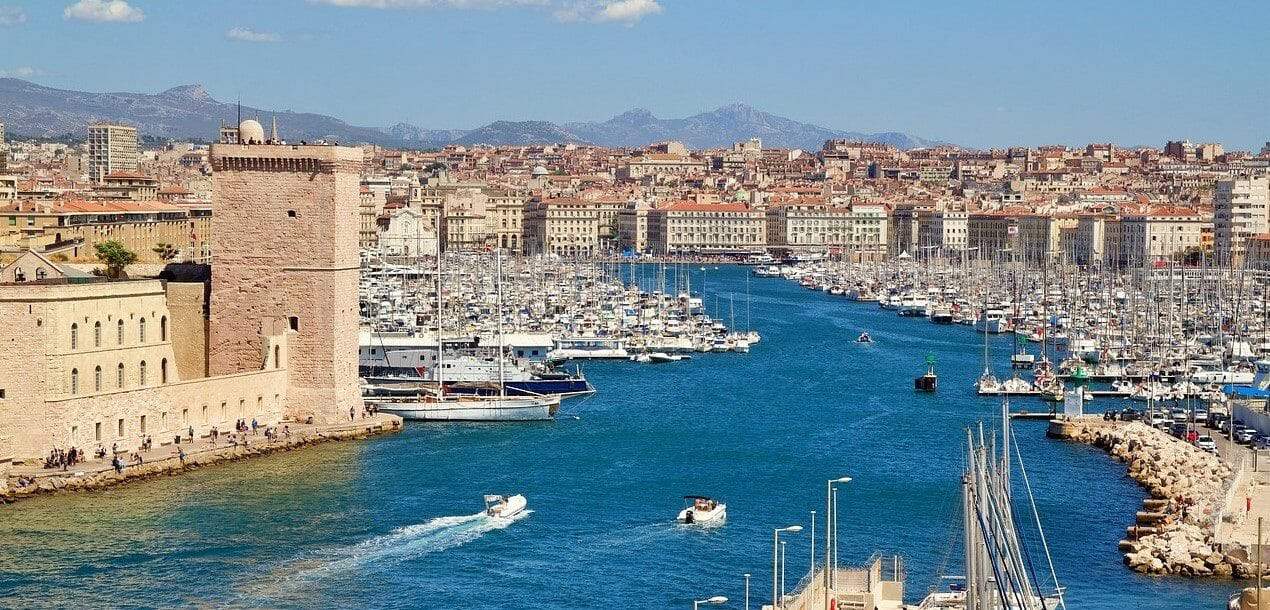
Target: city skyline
<point>1132,73</point>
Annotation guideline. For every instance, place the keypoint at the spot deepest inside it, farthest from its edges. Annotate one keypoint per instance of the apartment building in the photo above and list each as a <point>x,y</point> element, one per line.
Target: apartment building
<point>566,227</point>
<point>1241,210</point>
<point>1157,234</point>
<point>632,227</point>
<point>111,148</point>
<point>688,227</point>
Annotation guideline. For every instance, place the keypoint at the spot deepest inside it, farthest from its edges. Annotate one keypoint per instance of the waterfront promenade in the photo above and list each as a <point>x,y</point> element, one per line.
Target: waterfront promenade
<point>31,479</point>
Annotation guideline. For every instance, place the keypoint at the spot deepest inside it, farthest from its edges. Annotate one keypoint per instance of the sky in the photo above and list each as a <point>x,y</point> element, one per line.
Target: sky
<point>978,74</point>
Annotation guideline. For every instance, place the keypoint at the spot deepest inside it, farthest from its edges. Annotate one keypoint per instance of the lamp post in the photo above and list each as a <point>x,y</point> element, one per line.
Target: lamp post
<point>812,570</point>
<point>782,596</point>
<point>776,543</point>
<point>716,600</point>
<point>830,529</point>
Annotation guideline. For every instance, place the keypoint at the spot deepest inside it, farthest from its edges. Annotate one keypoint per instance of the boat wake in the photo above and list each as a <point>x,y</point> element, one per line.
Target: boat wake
<point>410,542</point>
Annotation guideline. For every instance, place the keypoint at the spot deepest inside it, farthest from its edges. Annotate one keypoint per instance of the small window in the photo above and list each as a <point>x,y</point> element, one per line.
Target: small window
<point>74,336</point>
<point>163,328</point>
<point>97,431</point>
<point>97,379</point>
<point>142,373</point>
<point>291,213</point>
<point>163,371</point>
<point>119,431</point>
<point>74,381</point>
<point>141,333</point>
<point>119,337</point>
<point>277,357</point>
<point>97,334</point>
<point>143,424</point>
<point>1,393</point>
<point>295,323</point>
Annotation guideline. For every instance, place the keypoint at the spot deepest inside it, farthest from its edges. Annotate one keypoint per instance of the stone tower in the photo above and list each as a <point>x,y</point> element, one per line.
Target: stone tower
<point>285,259</point>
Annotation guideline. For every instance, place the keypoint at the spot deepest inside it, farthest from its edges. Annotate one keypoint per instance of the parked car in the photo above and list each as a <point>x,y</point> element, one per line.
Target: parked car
<point>1159,420</point>
<point>1206,443</point>
<point>1199,414</point>
<point>1245,435</point>
<point>1178,429</point>
<point>1261,442</point>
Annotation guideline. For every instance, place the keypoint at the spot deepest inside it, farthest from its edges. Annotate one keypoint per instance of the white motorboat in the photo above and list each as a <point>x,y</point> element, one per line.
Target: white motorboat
<point>703,510</point>
<point>504,507</point>
<point>663,357</point>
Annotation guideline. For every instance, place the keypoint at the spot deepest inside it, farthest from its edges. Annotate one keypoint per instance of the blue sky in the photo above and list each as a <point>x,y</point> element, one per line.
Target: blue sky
<point>975,73</point>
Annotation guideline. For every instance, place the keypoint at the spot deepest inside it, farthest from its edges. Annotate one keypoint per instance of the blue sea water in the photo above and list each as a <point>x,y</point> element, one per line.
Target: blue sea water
<point>392,522</point>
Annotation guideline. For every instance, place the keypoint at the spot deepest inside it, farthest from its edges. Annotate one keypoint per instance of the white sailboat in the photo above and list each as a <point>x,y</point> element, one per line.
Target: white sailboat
<point>501,408</point>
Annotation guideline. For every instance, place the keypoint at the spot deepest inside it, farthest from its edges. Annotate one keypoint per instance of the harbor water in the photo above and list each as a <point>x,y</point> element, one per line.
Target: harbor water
<point>394,521</point>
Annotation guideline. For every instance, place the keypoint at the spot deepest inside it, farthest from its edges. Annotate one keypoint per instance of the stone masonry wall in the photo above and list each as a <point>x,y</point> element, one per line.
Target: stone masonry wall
<point>285,238</point>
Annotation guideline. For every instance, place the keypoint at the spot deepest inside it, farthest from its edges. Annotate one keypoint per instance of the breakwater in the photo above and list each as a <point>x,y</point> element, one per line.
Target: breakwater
<point>1174,533</point>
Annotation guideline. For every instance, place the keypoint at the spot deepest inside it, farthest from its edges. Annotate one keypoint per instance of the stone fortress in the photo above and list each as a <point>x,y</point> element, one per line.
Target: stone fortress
<point>270,336</point>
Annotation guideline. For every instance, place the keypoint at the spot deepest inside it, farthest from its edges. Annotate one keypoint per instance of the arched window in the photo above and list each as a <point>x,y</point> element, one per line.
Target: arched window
<point>119,338</point>
<point>142,372</point>
<point>163,328</point>
<point>74,381</point>
<point>163,371</point>
<point>97,379</point>
<point>119,376</point>
<point>74,336</point>
<point>96,334</point>
<point>142,332</point>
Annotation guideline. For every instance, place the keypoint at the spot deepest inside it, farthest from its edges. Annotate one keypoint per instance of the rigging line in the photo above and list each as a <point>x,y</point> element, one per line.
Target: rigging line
<point>1040,530</point>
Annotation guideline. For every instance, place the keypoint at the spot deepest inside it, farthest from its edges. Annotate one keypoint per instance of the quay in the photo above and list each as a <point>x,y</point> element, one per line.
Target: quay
<point>26,480</point>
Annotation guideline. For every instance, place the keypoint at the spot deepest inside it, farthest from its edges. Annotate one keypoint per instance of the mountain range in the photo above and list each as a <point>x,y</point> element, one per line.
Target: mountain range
<point>190,112</point>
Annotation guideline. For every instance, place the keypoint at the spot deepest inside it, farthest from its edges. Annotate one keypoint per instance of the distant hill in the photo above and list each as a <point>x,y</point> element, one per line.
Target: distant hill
<point>185,112</point>
<point>189,112</point>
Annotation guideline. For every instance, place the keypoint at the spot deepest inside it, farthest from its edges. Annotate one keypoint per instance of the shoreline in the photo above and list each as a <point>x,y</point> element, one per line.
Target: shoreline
<point>1175,532</point>
<point>99,474</point>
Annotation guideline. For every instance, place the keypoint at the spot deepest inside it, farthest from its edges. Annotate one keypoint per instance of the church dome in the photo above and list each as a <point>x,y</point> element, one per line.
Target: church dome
<point>251,132</point>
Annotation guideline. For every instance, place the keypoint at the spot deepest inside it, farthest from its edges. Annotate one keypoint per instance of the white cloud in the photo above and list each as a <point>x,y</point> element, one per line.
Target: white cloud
<point>249,35</point>
<point>12,15</point>
<point>21,72</point>
<point>614,11</point>
<point>627,11</point>
<point>103,10</point>
<point>459,4</point>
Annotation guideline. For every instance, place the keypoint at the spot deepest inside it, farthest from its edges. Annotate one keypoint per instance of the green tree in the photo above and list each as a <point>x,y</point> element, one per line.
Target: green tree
<point>166,252</point>
<point>115,257</point>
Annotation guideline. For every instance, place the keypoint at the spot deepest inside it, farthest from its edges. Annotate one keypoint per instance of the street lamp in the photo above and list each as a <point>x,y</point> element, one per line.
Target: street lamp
<point>776,543</point>
<point>782,595</point>
<point>831,529</point>
<point>716,600</point>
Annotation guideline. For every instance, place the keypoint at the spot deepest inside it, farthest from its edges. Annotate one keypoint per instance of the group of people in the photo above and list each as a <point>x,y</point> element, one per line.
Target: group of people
<point>63,458</point>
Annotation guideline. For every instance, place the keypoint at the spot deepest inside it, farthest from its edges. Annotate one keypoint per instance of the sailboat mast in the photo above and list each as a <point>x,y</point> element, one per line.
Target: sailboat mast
<point>498,282</point>
<point>440,317</point>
